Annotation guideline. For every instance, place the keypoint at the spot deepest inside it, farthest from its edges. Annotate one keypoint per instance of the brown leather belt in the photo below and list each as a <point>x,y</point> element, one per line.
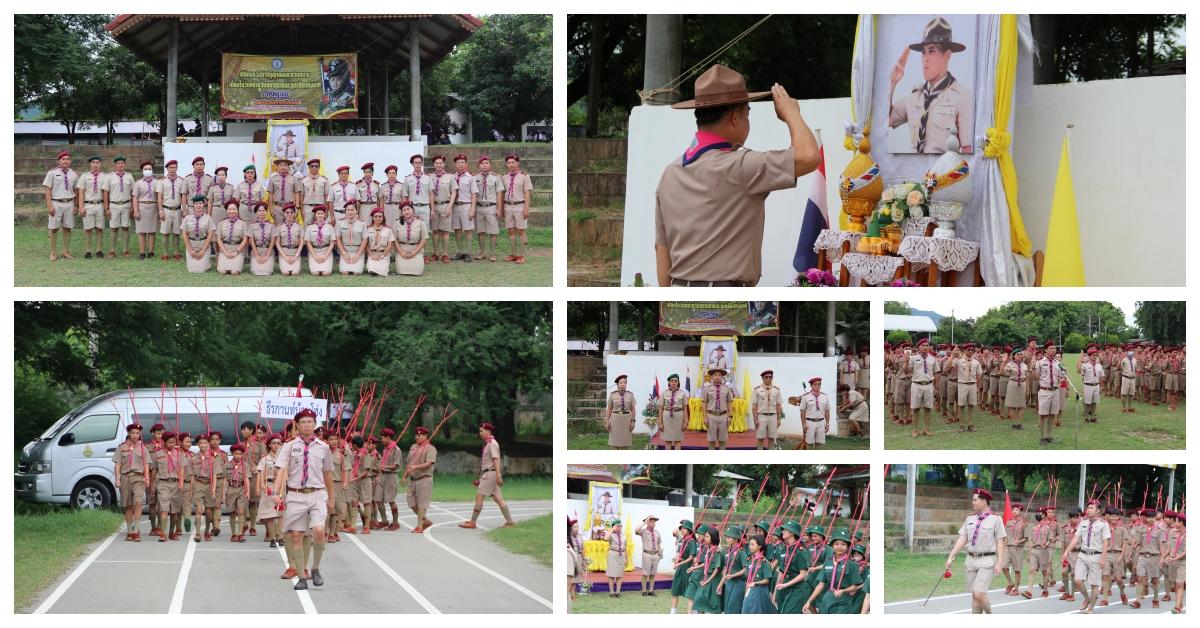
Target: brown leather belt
<point>699,283</point>
<point>305,490</point>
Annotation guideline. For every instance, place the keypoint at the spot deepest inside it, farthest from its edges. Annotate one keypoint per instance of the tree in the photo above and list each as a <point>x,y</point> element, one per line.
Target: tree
<point>1095,47</point>
<point>507,69</point>
<point>1074,342</point>
<point>992,330</point>
<point>897,336</point>
<point>896,307</point>
<point>1164,322</point>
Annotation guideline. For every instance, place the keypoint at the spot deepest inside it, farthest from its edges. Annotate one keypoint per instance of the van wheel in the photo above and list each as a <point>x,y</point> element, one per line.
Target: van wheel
<point>91,495</point>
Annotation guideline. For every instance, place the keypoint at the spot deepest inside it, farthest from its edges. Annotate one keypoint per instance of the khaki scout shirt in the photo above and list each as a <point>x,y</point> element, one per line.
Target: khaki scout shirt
<point>315,189</point>
<point>1042,535</point>
<point>290,236</point>
<point>61,183</point>
<point>172,192</point>
<point>1129,367</point>
<point>232,232</point>
<point>983,534</point>
<point>411,192</point>
<point>621,403</point>
<point>1017,372</point>
<point>951,112</point>
<point>368,195</point>
<point>516,187</point>
<point>392,456</point>
<point>488,187</point>
<point>1015,530</point>
<point>418,455</point>
<point>491,451</point>
<point>391,193</point>
<point>1120,537</point>
<point>291,457</point>
<point>146,189</point>
<point>283,188</point>
<point>710,213</point>
<point>675,400</point>
<point>922,368</point>
<point>466,185</point>
<point>196,228</point>
<point>443,187</point>
<point>221,194</point>
<point>132,457</point>
<point>968,371</point>
<point>651,541</point>
<point>166,464</point>
<point>814,405</point>
<point>250,193</point>
<point>92,186</point>
<point>1092,534</point>
<point>339,193</point>
<point>193,185</point>
<point>120,187</point>
<point>1048,374</point>
<point>1091,372</point>
<point>767,399</point>
<point>1149,539</point>
<point>717,398</point>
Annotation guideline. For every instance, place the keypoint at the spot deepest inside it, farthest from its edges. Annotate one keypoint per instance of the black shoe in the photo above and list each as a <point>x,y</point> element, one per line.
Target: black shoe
<point>141,256</point>
<point>316,578</point>
<point>273,543</point>
<point>301,585</point>
<point>99,254</point>
<point>467,258</point>
<point>650,593</point>
<point>87,255</point>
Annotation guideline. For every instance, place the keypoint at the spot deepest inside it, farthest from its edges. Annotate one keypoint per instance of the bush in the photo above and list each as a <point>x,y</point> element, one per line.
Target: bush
<point>897,336</point>
<point>1074,342</point>
<point>36,404</point>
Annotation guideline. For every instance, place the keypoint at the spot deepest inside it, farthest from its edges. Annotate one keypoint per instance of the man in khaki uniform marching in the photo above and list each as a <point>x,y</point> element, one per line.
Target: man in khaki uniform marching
<point>422,458</point>
<point>1092,537</point>
<point>652,552</point>
<point>390,462</point>
<point>982,535</point>
<point>490,479</point>
<point>118,197</point>
<point>91,207</point>
<point>940,107</point>
<point>767,409</point>
<point>1113,566</point>
<point>61,196</point>
<point>314,190</point>
<point>131,467</point>
<point>710,205</point>
<point>969,372</point>
<point>1018,550</point>
<point>304,468</point>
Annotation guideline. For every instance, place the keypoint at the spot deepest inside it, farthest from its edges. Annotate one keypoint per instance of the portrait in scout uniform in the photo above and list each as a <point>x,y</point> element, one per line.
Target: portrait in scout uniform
<point>338,87</point>
<point>982,536</point>
<point>939,104</point>
<point>710,203</point>
<point>285,146</point>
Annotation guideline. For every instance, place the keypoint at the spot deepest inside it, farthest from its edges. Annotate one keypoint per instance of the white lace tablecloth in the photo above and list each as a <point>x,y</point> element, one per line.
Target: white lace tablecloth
<point>949,254</point>
<point>872,269</point>
<point>917,226</point>
<point>830,241</point>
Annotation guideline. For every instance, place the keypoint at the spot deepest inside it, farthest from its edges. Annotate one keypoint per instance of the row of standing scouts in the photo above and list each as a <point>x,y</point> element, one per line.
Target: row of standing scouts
<point>766,409</point>
<point>362,223</point>
<point>1098,547</point>
<point>1006,380</point>
<point>764,569</point>
<point>282,482</point>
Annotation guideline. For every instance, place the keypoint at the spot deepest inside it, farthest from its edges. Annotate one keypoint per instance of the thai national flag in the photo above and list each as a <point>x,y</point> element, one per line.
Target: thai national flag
<point>816,218</point>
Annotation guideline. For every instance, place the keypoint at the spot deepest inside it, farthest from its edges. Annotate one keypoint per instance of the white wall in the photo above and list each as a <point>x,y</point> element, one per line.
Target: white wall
<point>791,375</point>
<point>333,152</point>
<point>1127,160</point>
<point>633,511</point>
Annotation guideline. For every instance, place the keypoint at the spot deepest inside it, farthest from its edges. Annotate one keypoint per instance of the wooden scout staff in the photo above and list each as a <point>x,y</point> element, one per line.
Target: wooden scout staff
<point>754,506</point>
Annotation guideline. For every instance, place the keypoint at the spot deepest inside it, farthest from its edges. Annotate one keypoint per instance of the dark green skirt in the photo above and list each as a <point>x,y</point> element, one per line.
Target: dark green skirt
<point>791,600</point>
<point>734,592</point>
<point>680,581</point>
<point>707,599</point>
<point>827,604</point>
<point>758,602</point>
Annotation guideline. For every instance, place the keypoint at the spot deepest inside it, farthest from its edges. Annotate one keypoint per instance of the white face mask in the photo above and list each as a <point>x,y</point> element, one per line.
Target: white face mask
<point>147,173</point>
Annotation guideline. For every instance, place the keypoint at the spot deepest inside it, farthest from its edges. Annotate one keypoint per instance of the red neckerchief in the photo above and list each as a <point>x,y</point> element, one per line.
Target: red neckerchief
<point>702,143</point>
<point>483,454</point>
<point>835,579</point>
<point>978,520</point>
<point>682,546</point>
<point>708,554</point>
<point>755,563</point>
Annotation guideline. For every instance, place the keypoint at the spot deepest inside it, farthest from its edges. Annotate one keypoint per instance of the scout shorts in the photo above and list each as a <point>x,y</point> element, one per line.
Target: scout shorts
<point>1114,565</point>
<point>968,394</point>
<point>1039,559</point>
<point>1091,393</point>
<point>170,495</point>
<point>979,573</point>
<point>1087,569</point>
<point>461,219</point>
<point>921,396</point>
<point>487,484</point>
<point>1048,402</point>
<point>768,426</point>
<point>420,492</point>
<point>423,214</point>
<point>1128,386</point>
<point>120,216</point>
<point>649,564</point>
<point>306,510</point>
<point>485,220</point>
<point>1147,566</point>
<point>235,499</point>
<point>718,428</point>
<point>388,488</point>
<point>1016,557</point>
<point>900,391</point>
<point>1181,571</point>
<point>442,221</point>
<point>514,217</point>
<point>64,215</point>
<point>133,490</point>
<point>169,225</point>
<point>93,216</point>
<point>814,432</point>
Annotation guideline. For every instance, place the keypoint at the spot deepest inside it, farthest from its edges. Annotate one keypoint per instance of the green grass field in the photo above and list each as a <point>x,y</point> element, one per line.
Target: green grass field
<point>48,540</point>
<point>32,267</point>
<point>629,602</point>
<point>908,576</point>
<point>1151,427</point>
<point>641,441</point>
<point>458,487</point>
<point>527,539</point>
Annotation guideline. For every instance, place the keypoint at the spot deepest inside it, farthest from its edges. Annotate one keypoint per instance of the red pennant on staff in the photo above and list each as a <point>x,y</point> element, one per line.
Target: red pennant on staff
<point>1008,513</point>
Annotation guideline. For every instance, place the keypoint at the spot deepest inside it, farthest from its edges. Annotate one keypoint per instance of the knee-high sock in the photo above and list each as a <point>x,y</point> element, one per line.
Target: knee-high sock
<point>317,551</point>
<point>504,511</point>
<point>308,543</point>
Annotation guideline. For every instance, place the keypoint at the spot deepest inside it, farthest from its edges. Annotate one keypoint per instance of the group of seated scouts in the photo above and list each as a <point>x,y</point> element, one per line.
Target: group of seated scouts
<point>764,569</point>
<point>362,224</point>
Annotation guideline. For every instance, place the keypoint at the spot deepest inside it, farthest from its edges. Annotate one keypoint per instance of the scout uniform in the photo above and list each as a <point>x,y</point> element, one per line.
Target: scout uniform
<point>120,196</point>
<point>837,575</point>
<point>466,187</point>
<point>1092,374</point>
<point>408,236</point>
<point>651,552</point>
<point>767,404</point>
<point>236,492</point>
<point>232,234</point>
<point>487,186</point>
<point>921,368</point>
<point>133,461</point>
<point>315,190</point>
<point>1017,375</point>
<point>249,195</point>
<point>197,184</point>
<point>1090,536</point>
<point>420,483</point>
<point>389,481</point>
<point>685,553</point>
<point>620,410</point>
<point>819,555</point>
<point>196,230</point>
<point>938,110</point>
<point>442,217</point>
<point>1042,537</point>
<point>707,599</point>
<point>1016,551</point>
<point>1147,545</point>
<point>968,371</point>
<point>351,235</point>
<point>487,469</point>
<point>983,533</point>
<point>204,488</point>
<point>290,238</point>
<point>864,375</point>
<point>368,192</point>
<point>61,183</point>
<point>319,236</point>
<point>379,241</point>
<point>173,196</point>
<point>860,412</point>
<point>91,186</point>
<point>146,192</point>
<point>1114,561</point>
<point>391,193</point>
<point>340,192</point>
<point>674,413</point>
<point>758,597</point>
<point>814,407</point>
<point>848,368</point>
<point>416,189</point>
<point>305,464</point>
<point>718,399</point>
<point>792,560</point>
<point>361,491</point>
<point>517,188</point>
<point>167,482</point>
<point>710,205</point>
<point>1129,367</point>
<point>736,559</point>
<point>218,195</point>
<point>614,566</point>
<point>1049,379</point>
<point>902,381</point>
<point>283,188</point>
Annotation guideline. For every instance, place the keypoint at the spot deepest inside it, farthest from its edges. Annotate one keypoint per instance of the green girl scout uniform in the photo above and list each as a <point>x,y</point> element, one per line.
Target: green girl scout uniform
<point>708,600</point>
<point>693,581</point>
<point>818,557</point>
<point>735,561</point>
<point>837,574</point>
<point>758,597</point>
<point>684,549</point>
<point>865,577</point>
<point>792,560</point>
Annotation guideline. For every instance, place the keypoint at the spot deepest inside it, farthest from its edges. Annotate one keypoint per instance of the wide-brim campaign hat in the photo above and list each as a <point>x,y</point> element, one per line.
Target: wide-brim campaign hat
<point>720,86</point>
<point>938,31</point>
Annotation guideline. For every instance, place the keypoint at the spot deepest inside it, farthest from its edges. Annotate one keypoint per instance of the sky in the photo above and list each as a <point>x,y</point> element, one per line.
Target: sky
<point>979,305</point>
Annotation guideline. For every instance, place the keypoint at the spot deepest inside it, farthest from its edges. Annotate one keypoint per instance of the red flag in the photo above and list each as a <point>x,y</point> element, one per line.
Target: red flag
<point>1008,514</point>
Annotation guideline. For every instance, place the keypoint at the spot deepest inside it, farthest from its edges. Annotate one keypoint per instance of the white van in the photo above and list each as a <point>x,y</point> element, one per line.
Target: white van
<point>71,463</point>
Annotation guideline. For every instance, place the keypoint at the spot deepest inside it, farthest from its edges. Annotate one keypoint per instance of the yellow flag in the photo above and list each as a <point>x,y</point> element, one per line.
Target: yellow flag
<point>745,383</point>
<point>1064,255</point>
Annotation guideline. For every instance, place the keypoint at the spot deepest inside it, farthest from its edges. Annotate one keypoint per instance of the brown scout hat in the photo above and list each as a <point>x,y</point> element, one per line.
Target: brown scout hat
<point>720,86</point>
<point>938,31</point>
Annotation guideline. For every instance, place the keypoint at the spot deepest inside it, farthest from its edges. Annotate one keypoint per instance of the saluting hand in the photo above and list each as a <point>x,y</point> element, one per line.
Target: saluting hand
<point>787,109</point>
<point>898,69</point>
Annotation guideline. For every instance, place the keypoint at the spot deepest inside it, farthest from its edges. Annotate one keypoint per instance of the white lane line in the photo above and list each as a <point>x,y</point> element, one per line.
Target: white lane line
<point>169,562</point>
<point>404,584</point>
<point>305,599</point>
<point>181,581</point>
<point>203,549</point>
<point>940,597</point>
<point>66,584</point>
<point>480,566</point>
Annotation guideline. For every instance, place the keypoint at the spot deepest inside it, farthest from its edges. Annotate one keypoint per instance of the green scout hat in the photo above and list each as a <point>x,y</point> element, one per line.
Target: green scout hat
<point>764,525</point>
<point>673,376</point>
<point>249,168</point>
<point>198,198</point>
<point>614,522</point>
<point>734,531</point>
<point>858,535</point>
<point>118,158</point>
<point>861,549</point>
<point>816,530</point>
<point>792,526</point>
<point>687,524</point>
<point>841,534</point>
<point>703,529</point>
<point>94,158</point>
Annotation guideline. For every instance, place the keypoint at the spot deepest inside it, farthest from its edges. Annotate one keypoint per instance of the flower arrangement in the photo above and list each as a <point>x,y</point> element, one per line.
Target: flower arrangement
<point>815,278</point>
<point>904,283</point>
<point>904,200</point>
<point>650,414</point>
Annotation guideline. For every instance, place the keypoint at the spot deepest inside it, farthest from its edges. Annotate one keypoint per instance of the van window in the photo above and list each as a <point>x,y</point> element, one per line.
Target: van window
<point>97,428</point>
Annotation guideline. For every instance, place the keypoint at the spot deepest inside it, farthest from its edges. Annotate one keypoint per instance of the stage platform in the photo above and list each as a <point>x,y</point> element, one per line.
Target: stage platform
<point>699,440</point>
<point>631,582</point>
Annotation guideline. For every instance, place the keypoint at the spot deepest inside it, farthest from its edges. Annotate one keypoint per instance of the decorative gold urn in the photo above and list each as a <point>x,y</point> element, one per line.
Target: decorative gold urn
<point>861,186</point>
